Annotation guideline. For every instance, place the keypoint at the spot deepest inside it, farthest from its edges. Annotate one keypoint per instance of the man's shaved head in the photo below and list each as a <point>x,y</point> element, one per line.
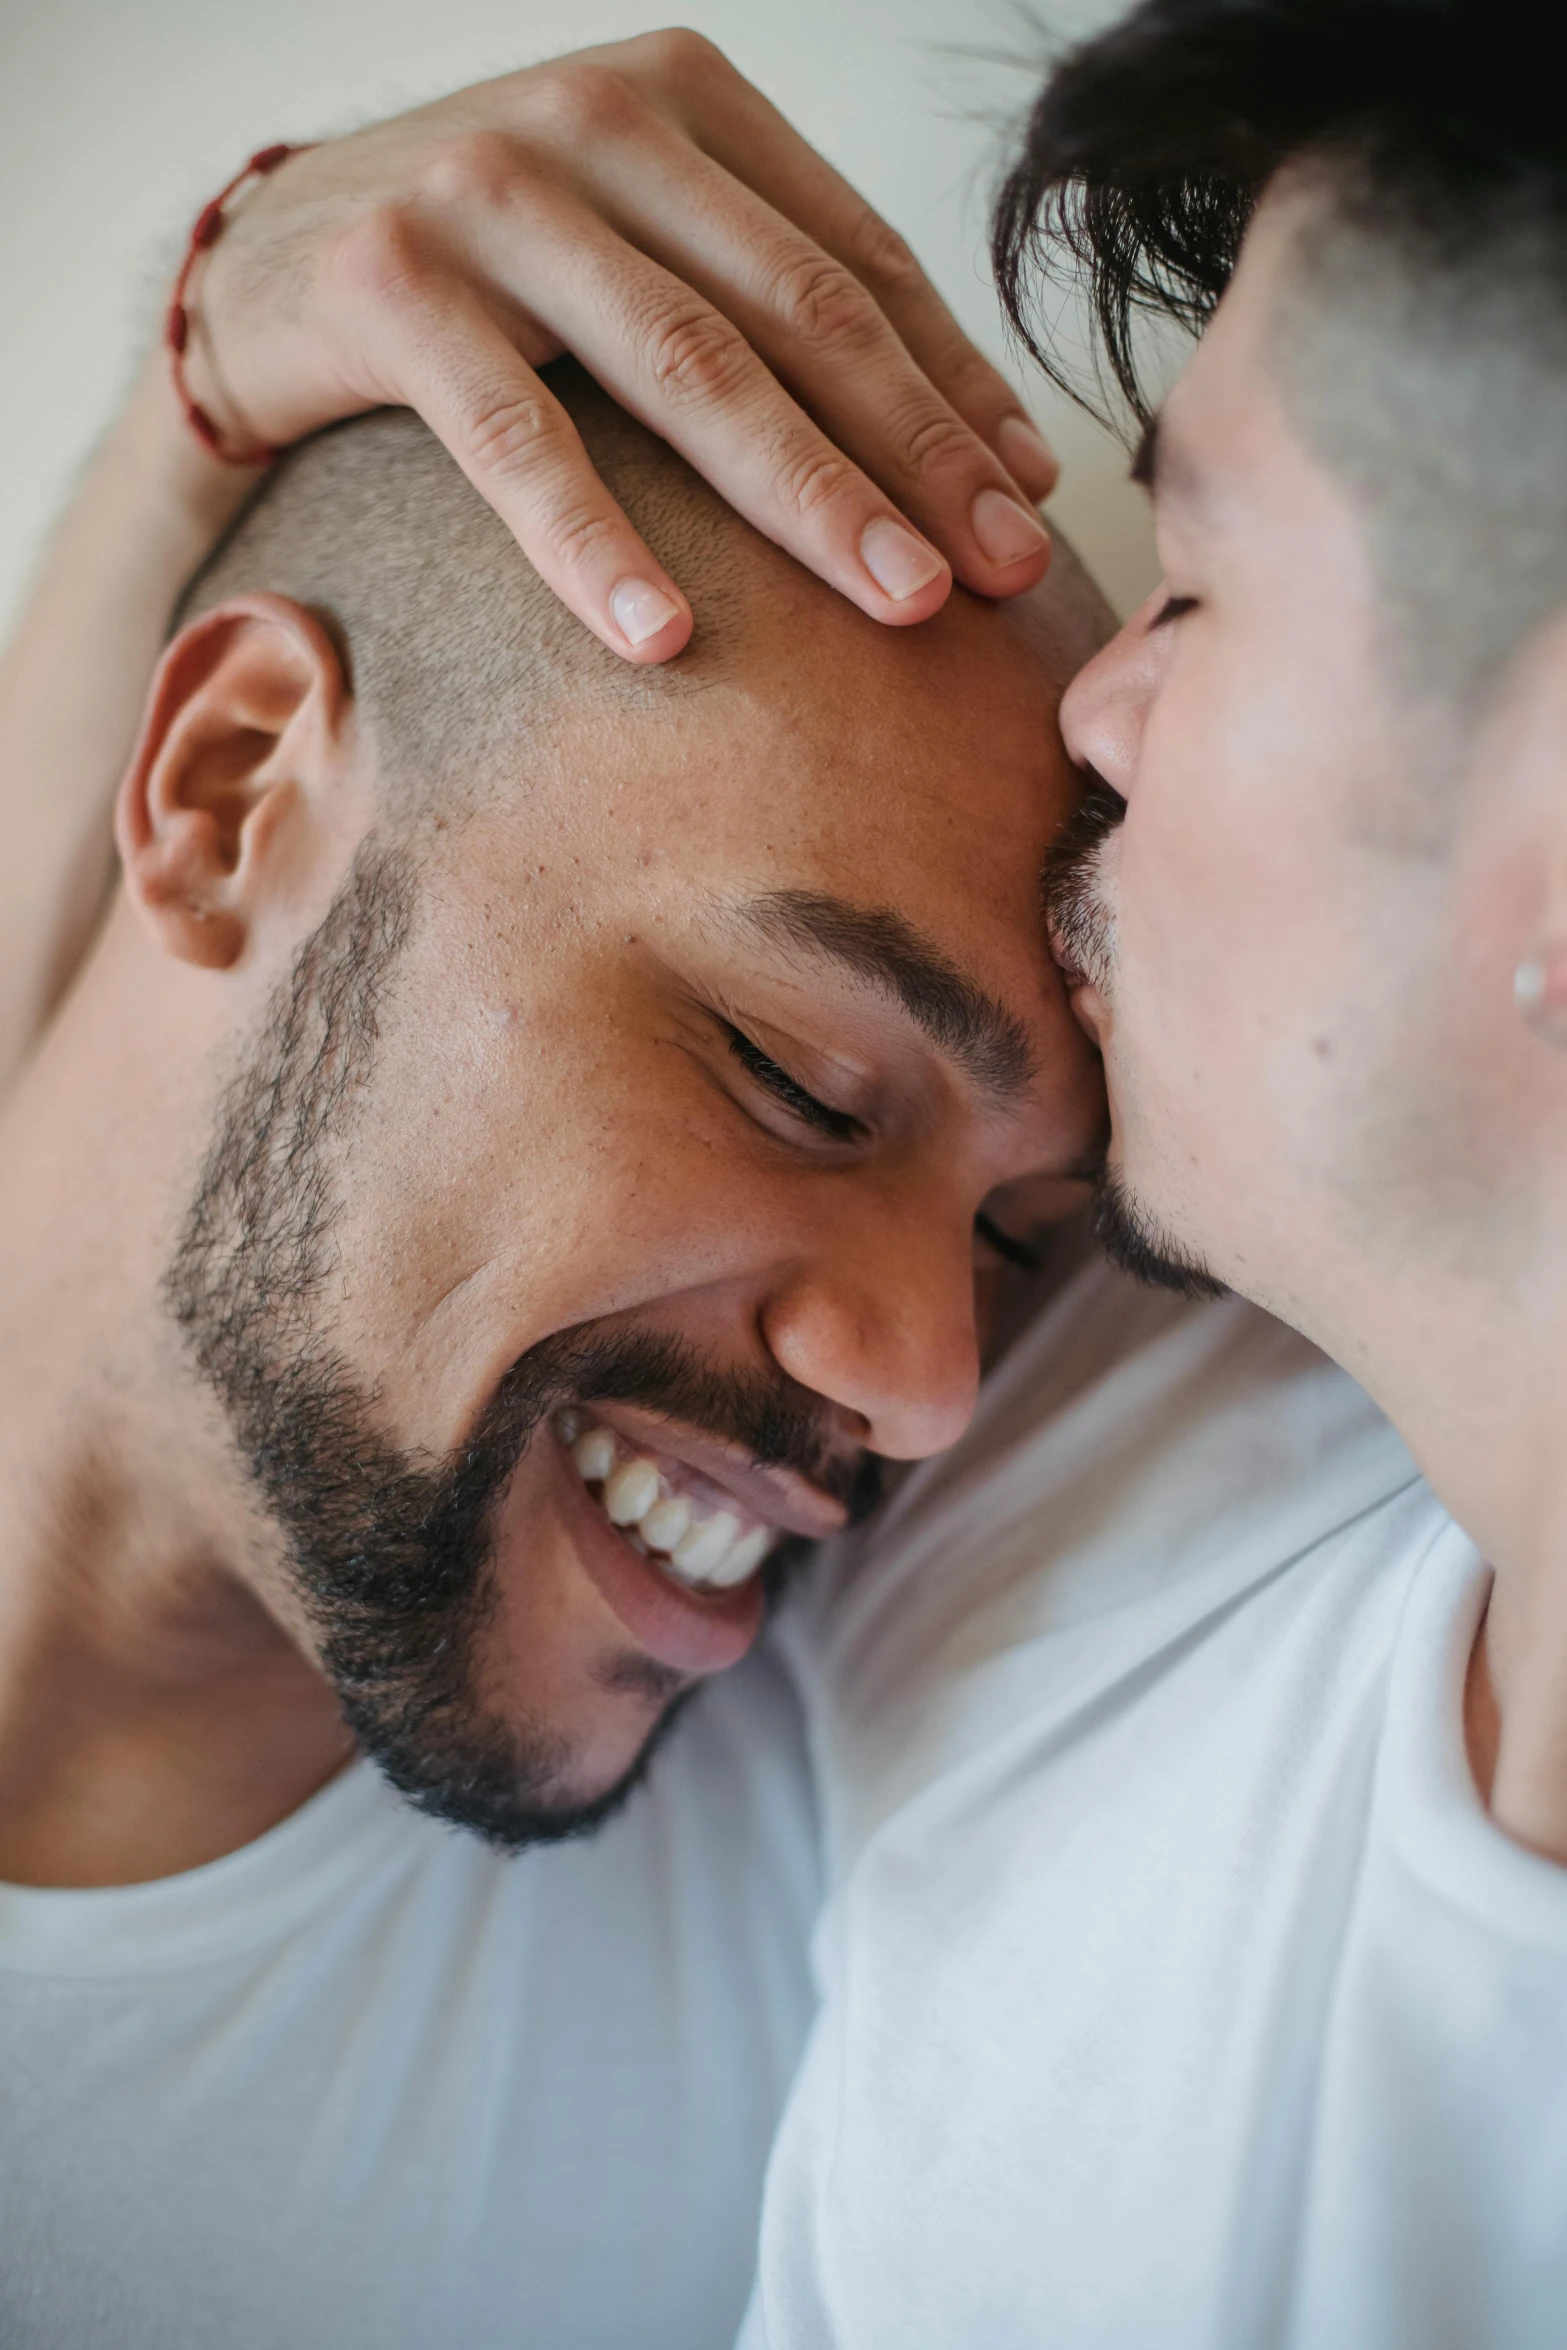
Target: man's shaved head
<point>453,641</point>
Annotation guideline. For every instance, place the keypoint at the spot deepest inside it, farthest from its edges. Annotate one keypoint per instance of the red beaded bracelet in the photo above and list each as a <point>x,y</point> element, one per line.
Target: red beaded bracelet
<point>176,330</point>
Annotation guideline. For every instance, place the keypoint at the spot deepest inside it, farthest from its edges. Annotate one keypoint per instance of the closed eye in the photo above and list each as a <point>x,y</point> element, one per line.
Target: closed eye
<point>790,1092</point>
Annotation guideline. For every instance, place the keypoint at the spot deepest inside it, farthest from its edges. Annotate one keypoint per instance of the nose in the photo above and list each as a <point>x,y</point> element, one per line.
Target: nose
<point>880,1322</point>
<point>1105,708</point>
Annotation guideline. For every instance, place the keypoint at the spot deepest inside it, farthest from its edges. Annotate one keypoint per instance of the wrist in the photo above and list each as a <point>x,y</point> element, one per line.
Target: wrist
<point>164,466</point>
<point>147,510</point>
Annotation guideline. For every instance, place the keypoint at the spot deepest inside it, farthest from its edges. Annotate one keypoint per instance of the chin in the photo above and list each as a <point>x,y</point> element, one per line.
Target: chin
<point>518,1770</point>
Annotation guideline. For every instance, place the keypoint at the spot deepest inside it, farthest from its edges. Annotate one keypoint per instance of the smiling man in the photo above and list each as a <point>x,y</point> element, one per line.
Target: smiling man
<point>591,1164</point>
<point>511,1157</point>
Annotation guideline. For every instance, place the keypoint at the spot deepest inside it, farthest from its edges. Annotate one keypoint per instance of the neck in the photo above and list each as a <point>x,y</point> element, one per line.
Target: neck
<point>154,1713</point>
<point>1473,1382</point>
<point>1518,1681</point>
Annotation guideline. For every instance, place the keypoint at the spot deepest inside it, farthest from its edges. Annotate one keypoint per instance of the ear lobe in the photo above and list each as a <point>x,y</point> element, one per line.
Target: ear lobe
<point>243,728</point>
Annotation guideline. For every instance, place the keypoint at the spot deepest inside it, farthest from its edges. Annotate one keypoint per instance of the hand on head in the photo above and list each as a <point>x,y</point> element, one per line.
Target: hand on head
<point>644,208</point>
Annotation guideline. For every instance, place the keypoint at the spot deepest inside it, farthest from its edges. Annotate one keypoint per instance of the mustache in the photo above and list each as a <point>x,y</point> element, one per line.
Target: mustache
<point>1077,921</point>
<point>1100,811</point>
<point>778,1424</point>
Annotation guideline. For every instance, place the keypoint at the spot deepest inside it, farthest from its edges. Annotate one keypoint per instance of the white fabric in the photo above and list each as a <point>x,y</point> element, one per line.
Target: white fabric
<point>365,2085</point>
<point>1177,1990</point>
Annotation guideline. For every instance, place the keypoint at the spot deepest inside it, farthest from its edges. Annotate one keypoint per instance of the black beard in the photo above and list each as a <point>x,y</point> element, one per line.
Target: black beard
<point>392,1556</point>
<point>1131,1239</point>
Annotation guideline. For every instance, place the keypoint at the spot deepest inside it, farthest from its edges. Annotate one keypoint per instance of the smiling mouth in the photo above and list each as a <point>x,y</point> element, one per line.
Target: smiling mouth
<point>671,1515</point>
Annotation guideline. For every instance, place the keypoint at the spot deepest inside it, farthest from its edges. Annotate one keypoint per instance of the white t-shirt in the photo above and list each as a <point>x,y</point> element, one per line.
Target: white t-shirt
<point>1177,1992</point>
<point>366,2085</point>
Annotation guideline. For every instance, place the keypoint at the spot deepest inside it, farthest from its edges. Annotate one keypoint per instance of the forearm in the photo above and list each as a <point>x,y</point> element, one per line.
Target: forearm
<point>149,506</point>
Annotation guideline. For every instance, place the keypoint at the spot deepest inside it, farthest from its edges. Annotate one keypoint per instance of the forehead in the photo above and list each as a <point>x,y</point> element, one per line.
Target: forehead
<point>819,751</point>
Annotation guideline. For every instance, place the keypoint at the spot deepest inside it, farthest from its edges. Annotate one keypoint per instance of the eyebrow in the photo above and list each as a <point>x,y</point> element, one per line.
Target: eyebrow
<point>1165,469</point>
<point>967,1026</point>
<point>1145,465</point>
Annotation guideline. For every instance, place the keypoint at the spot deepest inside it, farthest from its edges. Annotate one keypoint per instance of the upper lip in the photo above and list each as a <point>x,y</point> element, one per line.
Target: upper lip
<point>782,1497</point>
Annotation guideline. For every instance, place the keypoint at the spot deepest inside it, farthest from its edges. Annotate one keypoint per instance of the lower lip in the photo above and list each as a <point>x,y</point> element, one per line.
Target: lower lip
<point>689,1631</point>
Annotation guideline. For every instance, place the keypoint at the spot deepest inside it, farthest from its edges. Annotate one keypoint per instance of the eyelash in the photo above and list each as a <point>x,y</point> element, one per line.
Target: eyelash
<point>1173,608</point>
<point>836,1124</point>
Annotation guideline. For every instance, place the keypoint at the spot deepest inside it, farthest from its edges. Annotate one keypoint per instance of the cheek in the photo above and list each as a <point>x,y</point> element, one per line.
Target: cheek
<point>1452,1143</point>
<point>515,1168</point>
<point>1239,965</point>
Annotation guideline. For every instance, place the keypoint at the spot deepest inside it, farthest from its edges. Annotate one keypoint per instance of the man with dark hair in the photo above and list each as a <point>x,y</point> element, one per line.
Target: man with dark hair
<point>1197,1972</point>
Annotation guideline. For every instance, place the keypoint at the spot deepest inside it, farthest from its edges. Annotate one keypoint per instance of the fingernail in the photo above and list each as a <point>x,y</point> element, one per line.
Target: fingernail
<point>1025,453</point>
<point>1006,531</point>
<point>897,561</point>
<point>639,610</point>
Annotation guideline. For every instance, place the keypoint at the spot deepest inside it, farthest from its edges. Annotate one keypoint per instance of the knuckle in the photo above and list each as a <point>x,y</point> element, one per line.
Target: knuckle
<point>579,104</point>
<point>522,441</point>
<point>512,434</point>
<point>676,56</point>
<point>379,254</point>
<point>810,480</point>
<point>882,260</point>
<point>697,355</point>
<point>821,302</point>
<point>577,535</point>
<point>933,441</point>
<point>474,168</point>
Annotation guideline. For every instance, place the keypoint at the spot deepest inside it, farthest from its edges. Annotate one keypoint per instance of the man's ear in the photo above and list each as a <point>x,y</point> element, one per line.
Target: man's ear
<point>228,799</point>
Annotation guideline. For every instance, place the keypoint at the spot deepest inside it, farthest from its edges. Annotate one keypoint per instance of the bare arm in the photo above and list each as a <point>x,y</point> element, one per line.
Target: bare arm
<point>148,507</point>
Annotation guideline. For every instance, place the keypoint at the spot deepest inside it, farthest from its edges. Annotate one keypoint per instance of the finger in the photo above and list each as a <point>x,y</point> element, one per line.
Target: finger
<point>743,132</point>
<point>685,365</point>
<point>435,348</point>
<point>856,236</point>
<point>677,363</point>
<point>821,332</point>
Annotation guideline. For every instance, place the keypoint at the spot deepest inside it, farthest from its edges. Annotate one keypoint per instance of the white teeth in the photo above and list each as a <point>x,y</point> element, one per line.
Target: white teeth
<point>748,1554</point>
<point>740,1561</point>
<point>666,1522</point>
<point>701,1550</point>
<point>631,1492</point>
<point>705,1553</point>
<point>594,1455</point>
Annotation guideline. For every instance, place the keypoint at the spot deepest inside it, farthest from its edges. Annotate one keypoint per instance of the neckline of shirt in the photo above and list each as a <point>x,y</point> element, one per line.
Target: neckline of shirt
<point>254,1894</point>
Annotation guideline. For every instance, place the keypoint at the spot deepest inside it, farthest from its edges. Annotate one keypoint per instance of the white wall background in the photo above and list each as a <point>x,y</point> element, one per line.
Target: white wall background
<point>119,117</point>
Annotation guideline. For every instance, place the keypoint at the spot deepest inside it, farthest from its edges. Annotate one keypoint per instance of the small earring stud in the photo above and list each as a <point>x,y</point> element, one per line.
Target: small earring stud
<point>1532,994</point>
